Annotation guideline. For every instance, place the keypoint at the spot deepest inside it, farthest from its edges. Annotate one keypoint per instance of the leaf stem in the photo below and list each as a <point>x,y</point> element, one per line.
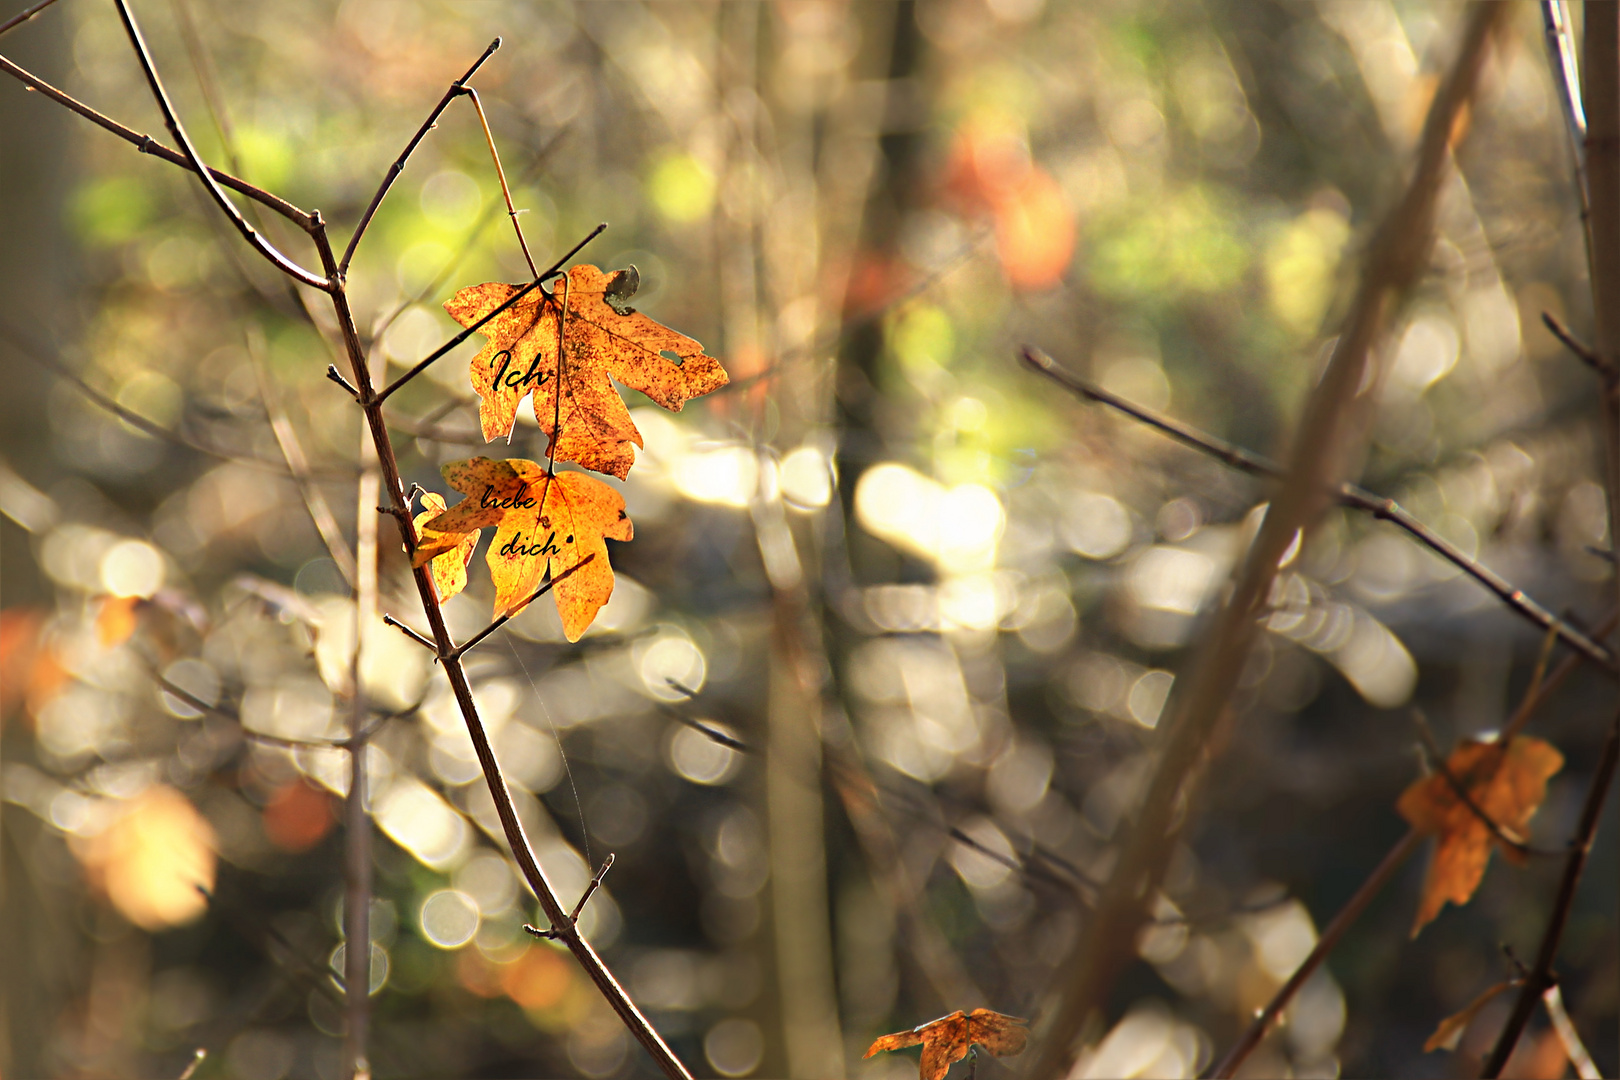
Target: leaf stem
<point>500,174</point>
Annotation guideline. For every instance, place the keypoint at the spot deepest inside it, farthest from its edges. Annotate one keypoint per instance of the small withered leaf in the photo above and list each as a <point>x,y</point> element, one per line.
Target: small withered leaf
<point>1506,783</point>
<point>449,570</point>
<point>533,347</point>
<point>946,1040</point>
<point>543,525</point>
<point>1450,1030</point>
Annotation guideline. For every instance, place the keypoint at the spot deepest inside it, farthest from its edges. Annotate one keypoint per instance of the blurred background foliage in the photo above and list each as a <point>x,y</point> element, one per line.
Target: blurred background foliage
<point>942,604</point>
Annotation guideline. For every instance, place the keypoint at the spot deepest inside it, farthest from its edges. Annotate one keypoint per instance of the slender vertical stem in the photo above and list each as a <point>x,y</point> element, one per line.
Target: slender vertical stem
<point>500,174</point>
<point>511,826</point>
<point>1541,975</point>
<point>356,819</point>
<point>1329,434</point>
<point>1331,935</point>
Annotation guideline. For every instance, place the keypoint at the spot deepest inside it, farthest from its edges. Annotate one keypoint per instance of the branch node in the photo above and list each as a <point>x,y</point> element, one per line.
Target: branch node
<point>1585,355</point>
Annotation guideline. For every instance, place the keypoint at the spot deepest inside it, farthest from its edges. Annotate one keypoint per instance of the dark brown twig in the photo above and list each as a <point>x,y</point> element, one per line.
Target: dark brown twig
<point>1331,935</point>
<point>502,621</point>
<point>1541,977</point>
<point>573,916</point>
<point>1350,495</point>
<point>426,643</point>
<point>457,88</point>
<point>23,16</point>
<point>1540,690</point>
<point>172,121</point>
<point>423,364</point>
<point>1574,345</point>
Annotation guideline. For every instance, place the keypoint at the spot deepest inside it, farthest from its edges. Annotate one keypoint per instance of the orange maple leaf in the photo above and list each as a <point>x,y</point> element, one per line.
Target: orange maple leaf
<point>947,1039</point>
<point>1505,783</point>
<point>543,525</point>
<point>449,570</point>
<point>600,337</point>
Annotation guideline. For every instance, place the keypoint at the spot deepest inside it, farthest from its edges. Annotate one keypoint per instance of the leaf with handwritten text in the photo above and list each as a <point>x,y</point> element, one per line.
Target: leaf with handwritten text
<point>534,348</point>
<point>544,526</point>
<point>947,1039</point>
<point>449,570</point>
<point>1507,784</point>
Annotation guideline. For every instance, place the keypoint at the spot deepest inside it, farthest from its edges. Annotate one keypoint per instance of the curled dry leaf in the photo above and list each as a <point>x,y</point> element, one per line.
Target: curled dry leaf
<point>543,525</point>
<point>946,1040</point>
<point>1506,783</point>
<point>1450,1030</point>
<point>601,336</point>
<point>449,570</point>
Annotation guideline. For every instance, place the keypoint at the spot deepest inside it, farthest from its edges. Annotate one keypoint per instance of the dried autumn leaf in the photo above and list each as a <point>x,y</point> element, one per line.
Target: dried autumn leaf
<point>1450,1030</point>
<point>1507,784</point>
<point>602,337</point>
<point>947,1039</point>
<point>449,570</point>
<point>543,525</point>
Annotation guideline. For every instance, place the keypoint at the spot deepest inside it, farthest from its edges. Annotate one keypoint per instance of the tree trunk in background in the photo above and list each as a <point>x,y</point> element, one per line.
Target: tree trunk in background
<point>35,267</point>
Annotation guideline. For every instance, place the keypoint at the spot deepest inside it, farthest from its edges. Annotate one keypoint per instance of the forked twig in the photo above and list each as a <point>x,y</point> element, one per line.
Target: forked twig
<point>1539,691</point>
<point>1349,494</point>
<point>1582,352</point>
<point>573,916</point>
<point>457,88</point>
<point>1540,978</point>
<point>172,121</point>
<point>504,619</point>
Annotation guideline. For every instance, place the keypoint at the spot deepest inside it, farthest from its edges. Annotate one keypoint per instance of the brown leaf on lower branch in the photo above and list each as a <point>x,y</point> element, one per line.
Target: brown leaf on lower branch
<point>946,1040</point>
<point>1505,783</point>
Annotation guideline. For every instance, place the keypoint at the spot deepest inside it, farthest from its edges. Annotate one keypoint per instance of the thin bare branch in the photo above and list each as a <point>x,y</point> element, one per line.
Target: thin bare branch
<point>39,355</point>
<point>1348,494</point>
<point>172,121</point>
<point>1541,977</point>
<point>511,826</point>
<point>423,364</point>
<point>1539,691</point>
<point>500,174</point>
<point>573,916</point>
<point>23,16</point>
<point>502,621</point>
<point>1574,1048</point>
<point>1392,861</point>
<point>426,643</point>
<point>1334,422</point>
<point>148,145</point>
<point>315,504</point>
<point>1574,345</point>
<point>457,88</point>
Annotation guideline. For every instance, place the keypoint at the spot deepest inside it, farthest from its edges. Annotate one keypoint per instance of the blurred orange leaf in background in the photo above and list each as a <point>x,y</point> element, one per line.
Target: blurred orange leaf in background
<point>297,816</point>
<point>947,1039</point>
<point>544,524</point>
<point>151,859</point>
<point>602,336</point>
<point>991,171</point>
<point>1507,784</point>
<point>115,620</point>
